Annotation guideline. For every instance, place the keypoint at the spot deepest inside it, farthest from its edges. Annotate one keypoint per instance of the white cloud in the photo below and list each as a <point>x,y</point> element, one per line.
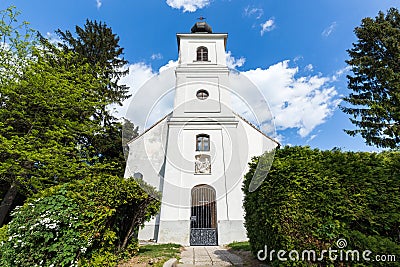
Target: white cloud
<point>253,11</point>
<point>328,30</point>
<point>309,67</point>
<point>53,38</point>
<point>152,94</point>
<point>343,70</point>
<point>99,3</point>
<point>295,102</point>
<point>156,56</point>
<point>340,73</point>
<point>297,58</point>
<point>171,64</point>
<point>188,5</point>
<point>233,62</point>
<point>139,73</point>
<point>267,26</point>
<point>312,137</point>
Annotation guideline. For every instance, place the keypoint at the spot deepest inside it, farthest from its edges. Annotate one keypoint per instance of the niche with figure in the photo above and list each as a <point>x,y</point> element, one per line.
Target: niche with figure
<point>202,164</point>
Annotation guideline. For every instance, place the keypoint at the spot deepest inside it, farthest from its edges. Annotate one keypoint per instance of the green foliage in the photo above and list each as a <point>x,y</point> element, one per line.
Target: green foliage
<point>44,118</point>
<point>3,234</point>
<point>374,61</point>
<point>99,46</point>
<point>375,243</point>
<point>60,143</point>
<point>311,198</point>
<point>129,131</point>
<point>45,232</point>
<point>49,98</point>
<point>16,44</point>
<point>240,246</point>
<point>92,222</point>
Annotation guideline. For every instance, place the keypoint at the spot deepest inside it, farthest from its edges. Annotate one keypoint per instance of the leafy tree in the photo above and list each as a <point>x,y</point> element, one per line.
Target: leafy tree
<point>375,82</point>
<point>129,132</point>
<point>45,116</point>
<point>99,47</point>
<point>109,144</point>
<point>49,132</point>
<point>16,43</point>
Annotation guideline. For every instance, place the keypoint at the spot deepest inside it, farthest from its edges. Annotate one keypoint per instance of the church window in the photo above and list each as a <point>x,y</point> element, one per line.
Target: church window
<point>138,175</point>
<point>202,53</point>
<point>203,142</point>
<point>202,94</point>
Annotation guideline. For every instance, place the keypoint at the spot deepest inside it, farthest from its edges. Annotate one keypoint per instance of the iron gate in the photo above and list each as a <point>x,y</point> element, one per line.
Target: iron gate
<point>203,220</point>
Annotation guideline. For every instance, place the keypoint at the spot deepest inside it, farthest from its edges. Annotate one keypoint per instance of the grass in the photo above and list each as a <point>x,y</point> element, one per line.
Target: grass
<point>243,250</point>
<point>154,255</point>
<point>240,246</point>
<point>160,250</point>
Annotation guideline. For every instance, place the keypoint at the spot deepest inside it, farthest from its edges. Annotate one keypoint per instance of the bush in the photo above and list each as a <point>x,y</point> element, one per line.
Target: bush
<point>92,222</point>
<point>311,198</point>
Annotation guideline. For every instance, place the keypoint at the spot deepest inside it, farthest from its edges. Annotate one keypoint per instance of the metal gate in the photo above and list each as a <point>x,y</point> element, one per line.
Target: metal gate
<point>203,220</point>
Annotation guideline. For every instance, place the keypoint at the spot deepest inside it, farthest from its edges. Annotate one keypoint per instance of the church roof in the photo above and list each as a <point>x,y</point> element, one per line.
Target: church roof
<point>253,126</point>
<point>151,127</point>
<point>240,117</point>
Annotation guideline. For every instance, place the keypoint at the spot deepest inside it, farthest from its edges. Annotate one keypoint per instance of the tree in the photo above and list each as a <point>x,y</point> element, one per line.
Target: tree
<point>45,116</point>
<point>54,122</point>
<point>15,51</point>
<point>16,43</point>
<point>375,82</point>
<point>129,131</point>
<point>99,47</point>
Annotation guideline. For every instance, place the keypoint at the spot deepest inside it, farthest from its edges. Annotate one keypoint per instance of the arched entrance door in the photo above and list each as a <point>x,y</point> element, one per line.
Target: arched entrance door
<point>203,219</point>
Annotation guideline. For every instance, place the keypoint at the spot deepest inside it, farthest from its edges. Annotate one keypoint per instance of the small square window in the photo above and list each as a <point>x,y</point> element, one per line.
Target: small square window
<point>202,53</point>
<point>202,142</point>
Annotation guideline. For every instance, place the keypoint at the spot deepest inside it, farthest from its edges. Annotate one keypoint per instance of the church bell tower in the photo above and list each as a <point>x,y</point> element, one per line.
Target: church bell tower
<point>201,134</point>
<point>197,155</point>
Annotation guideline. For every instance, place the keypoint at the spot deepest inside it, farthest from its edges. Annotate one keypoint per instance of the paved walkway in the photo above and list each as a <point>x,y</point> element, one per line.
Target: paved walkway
<point>205,256</point>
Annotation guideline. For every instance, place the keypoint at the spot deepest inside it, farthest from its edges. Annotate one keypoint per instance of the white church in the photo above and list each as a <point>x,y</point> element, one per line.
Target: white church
<point>197,155</point>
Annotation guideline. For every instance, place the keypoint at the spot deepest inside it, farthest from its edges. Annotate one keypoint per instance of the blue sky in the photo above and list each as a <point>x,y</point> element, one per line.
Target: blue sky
<point>294,51</point>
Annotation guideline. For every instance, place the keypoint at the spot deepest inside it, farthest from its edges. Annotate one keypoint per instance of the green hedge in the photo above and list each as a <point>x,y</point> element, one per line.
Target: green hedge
<point>90,222</point>
<point>312,198</point>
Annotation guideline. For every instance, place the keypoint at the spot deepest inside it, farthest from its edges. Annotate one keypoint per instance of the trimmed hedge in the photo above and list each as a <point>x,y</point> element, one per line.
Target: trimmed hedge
<point>312,198</point>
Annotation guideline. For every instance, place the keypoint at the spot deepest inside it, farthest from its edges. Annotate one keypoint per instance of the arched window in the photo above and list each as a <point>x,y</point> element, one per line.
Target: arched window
<point>202,142</point>
<point>202,53</point>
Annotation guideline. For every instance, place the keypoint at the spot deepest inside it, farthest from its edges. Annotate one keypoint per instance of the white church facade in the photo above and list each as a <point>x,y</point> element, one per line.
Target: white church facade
<point>197,155</point>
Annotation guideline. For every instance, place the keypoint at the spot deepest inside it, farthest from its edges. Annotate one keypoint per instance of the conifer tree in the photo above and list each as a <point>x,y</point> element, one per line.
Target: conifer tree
<point>375,82</point>
<point>99,47</point>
